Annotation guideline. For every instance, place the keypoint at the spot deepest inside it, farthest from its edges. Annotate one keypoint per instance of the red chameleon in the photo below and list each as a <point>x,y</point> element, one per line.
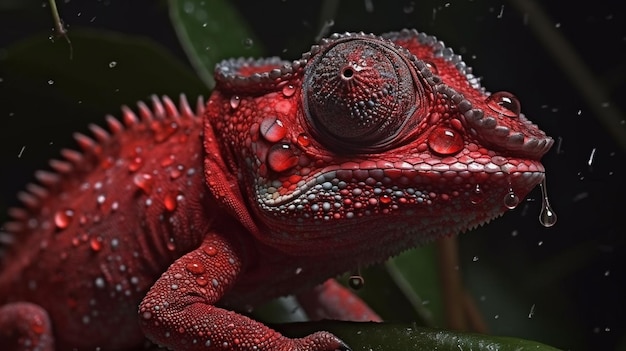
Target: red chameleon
<point>172,218</point>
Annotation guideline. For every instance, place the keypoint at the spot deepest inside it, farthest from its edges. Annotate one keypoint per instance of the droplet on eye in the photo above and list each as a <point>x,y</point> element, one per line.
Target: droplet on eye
<point>445,141</point>
<point>504,103</point>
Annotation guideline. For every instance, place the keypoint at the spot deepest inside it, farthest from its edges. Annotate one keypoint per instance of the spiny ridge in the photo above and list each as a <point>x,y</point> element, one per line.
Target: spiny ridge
<point>90,152</point>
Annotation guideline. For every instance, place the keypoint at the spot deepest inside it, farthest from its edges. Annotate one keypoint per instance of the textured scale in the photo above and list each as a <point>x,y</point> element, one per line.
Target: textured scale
<point>172,218</point>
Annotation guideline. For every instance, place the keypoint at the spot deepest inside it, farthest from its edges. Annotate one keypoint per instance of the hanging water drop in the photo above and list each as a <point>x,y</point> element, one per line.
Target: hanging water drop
<point>511,200</point>
<point>476,195</point>
<point>234,101</point>
<point>547,217</point>
<point>356,281</point>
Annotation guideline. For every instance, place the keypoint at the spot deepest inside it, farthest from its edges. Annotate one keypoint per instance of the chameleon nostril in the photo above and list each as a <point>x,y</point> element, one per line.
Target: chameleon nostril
<point>347,73</point>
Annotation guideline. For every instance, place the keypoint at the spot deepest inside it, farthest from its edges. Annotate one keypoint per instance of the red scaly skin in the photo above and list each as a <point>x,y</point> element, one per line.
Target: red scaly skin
<point>166,224</point>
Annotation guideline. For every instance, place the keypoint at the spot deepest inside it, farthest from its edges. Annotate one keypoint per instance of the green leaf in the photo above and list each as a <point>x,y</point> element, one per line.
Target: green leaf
<point>211,31</point>
<point>397,336</point>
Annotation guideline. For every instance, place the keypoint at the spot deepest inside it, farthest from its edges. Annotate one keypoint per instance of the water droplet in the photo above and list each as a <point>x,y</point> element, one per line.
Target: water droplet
<point>144,181</point>
<point>95,244</point>
<point>445,141</point>
<point>504,103</point>
<point>171,245</point>
<point>356,282</point>
<point>63,218</point>
<point>202,281</point>
<point>210,250</point>
<point>511,200</point>
<point>112,64</point>
<point>135,164</point>
<point>476,195</point>
<point>303,140</point>
<point>288,90</point>
<point>432,67</point>
<point>195,267</point>
<point>247,43</point>
<point>547,217</point>
<point>234,101</point>
<point>170,202</point>
<point>272,129</point>
<point>532,311</point>
<point>281,157</point>
<point>385,199</point>
<point>50,82</point>
<point>100,283</point>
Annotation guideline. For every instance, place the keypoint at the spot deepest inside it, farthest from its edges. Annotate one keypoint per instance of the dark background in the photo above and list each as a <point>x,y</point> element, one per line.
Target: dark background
<point>572,274</point>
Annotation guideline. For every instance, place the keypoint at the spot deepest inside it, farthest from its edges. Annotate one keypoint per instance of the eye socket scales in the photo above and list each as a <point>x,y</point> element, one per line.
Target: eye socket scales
<point>359,92</point>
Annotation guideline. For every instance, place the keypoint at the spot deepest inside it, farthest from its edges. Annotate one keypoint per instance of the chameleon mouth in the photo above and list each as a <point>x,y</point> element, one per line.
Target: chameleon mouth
<point>402,178</point>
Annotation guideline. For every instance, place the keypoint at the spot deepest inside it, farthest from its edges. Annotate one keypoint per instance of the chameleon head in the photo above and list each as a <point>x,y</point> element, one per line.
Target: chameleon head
<point>370,143</point>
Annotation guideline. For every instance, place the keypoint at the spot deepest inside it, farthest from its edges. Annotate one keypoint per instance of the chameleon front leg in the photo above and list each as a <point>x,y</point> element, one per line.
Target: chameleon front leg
<point>331,300</point>
<point>179,311</point>
<point>25,326</point>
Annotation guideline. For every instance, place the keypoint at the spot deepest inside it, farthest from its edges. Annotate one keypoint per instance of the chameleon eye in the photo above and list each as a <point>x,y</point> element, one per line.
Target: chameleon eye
<point>359,94</point>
